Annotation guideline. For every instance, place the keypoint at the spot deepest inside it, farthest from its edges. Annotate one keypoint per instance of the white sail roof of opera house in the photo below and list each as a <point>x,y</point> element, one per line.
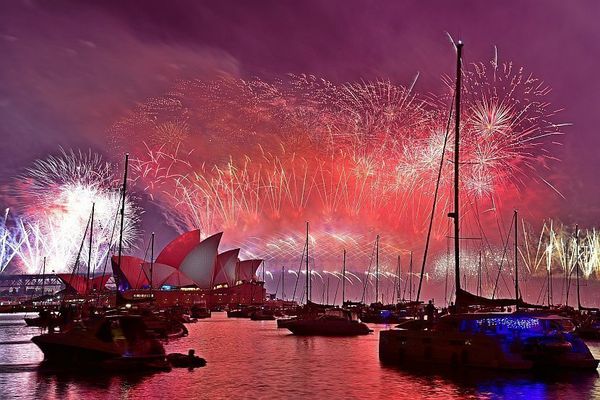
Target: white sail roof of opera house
<point>163,274</point>
<point>226,266</point>
<point>246,269</point>
<point>200,263</point>
<point>187,261</point>
<point>175,252</point>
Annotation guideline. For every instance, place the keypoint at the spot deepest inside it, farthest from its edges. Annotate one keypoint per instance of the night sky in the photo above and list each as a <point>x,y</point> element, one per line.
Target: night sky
<point>69,70</point>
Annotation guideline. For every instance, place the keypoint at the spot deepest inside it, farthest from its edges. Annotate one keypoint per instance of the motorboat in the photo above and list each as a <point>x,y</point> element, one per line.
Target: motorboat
<point>118,341</point>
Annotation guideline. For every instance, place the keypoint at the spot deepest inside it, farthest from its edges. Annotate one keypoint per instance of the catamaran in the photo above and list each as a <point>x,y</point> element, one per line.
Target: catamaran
<point>512,341</point>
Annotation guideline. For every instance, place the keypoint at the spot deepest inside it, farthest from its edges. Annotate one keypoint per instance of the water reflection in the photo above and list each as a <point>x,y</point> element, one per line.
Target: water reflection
<point>60,383</point>
<point>251,359</point>
<point>506,384</point>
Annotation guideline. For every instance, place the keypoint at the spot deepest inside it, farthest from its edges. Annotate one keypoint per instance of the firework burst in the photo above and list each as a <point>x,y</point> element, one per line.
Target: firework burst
<point>556,249</point>
<point>10,241</point>
<point>60,191</point>
<point>257,159</point>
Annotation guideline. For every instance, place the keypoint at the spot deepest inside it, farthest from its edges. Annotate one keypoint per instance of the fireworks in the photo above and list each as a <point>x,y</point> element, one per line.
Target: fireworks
<point>257,159</point>
<point>507,123</point>
<point>557,249</point>
<point>10,241</point>
<point>59,192</point>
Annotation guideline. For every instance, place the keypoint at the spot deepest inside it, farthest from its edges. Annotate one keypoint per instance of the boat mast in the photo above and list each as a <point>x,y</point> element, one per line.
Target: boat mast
<point>377,269</point>
<point>455,214</point>
<point>577,265</point>
<point>410,278</point>
<point>283,283</point>
<point>344,278</point>
<point>120,251</point>
<point>516,263</point>
<point>87,280</point>
<point>398,282</point>
<point>479,289</point>
<point>43,275</point>
<point>151,259</point>
<point>307,269</point>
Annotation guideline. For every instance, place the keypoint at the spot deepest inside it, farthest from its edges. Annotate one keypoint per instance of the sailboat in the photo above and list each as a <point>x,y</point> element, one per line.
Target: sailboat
<point>588,323</point>
<point>511,341</point>
<point>320,320</point>
<point>377,312</point>
<point>113,341</point>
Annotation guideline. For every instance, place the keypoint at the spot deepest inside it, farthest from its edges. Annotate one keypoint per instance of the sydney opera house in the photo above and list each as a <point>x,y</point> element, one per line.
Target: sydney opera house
<point>191,271</point>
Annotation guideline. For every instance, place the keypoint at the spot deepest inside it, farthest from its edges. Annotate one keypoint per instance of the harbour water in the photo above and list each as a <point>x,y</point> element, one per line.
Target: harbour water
<point>255,360</point>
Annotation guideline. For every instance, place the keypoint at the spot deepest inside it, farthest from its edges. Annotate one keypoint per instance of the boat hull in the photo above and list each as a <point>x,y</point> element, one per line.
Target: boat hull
<point>445,348</point>
<point>60,354</point>
<point>329,328</point>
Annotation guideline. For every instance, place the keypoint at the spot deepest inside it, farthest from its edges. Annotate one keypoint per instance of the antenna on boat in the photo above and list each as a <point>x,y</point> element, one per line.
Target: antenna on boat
<point>455,214</point>
<point>516,263</point>
<point>377,269</point>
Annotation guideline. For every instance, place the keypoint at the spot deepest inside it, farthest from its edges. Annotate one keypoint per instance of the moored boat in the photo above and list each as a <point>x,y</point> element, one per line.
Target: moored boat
<point>513,341</point>
<point>487,340</point>
<point>263,314</point>
<point>200,312</point>
<point>332,322</point>
<point>111,342</point>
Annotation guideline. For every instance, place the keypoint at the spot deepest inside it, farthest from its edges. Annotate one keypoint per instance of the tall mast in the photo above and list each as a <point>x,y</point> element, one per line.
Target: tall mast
<point>122,222</point>
<point>377,269</point>
<point>283,283</point>
<point>307,269</point>
<point>410,278</point>
<point>577,264</point>
<point>344,278</point>
<point>455,213</point>
<point>516,263</point>
<point>567,283</point>
<point>479,290</point>
<point>151,260</point>
<point>87,278</point>
<point>397,282</point>
<point>43,275</point>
